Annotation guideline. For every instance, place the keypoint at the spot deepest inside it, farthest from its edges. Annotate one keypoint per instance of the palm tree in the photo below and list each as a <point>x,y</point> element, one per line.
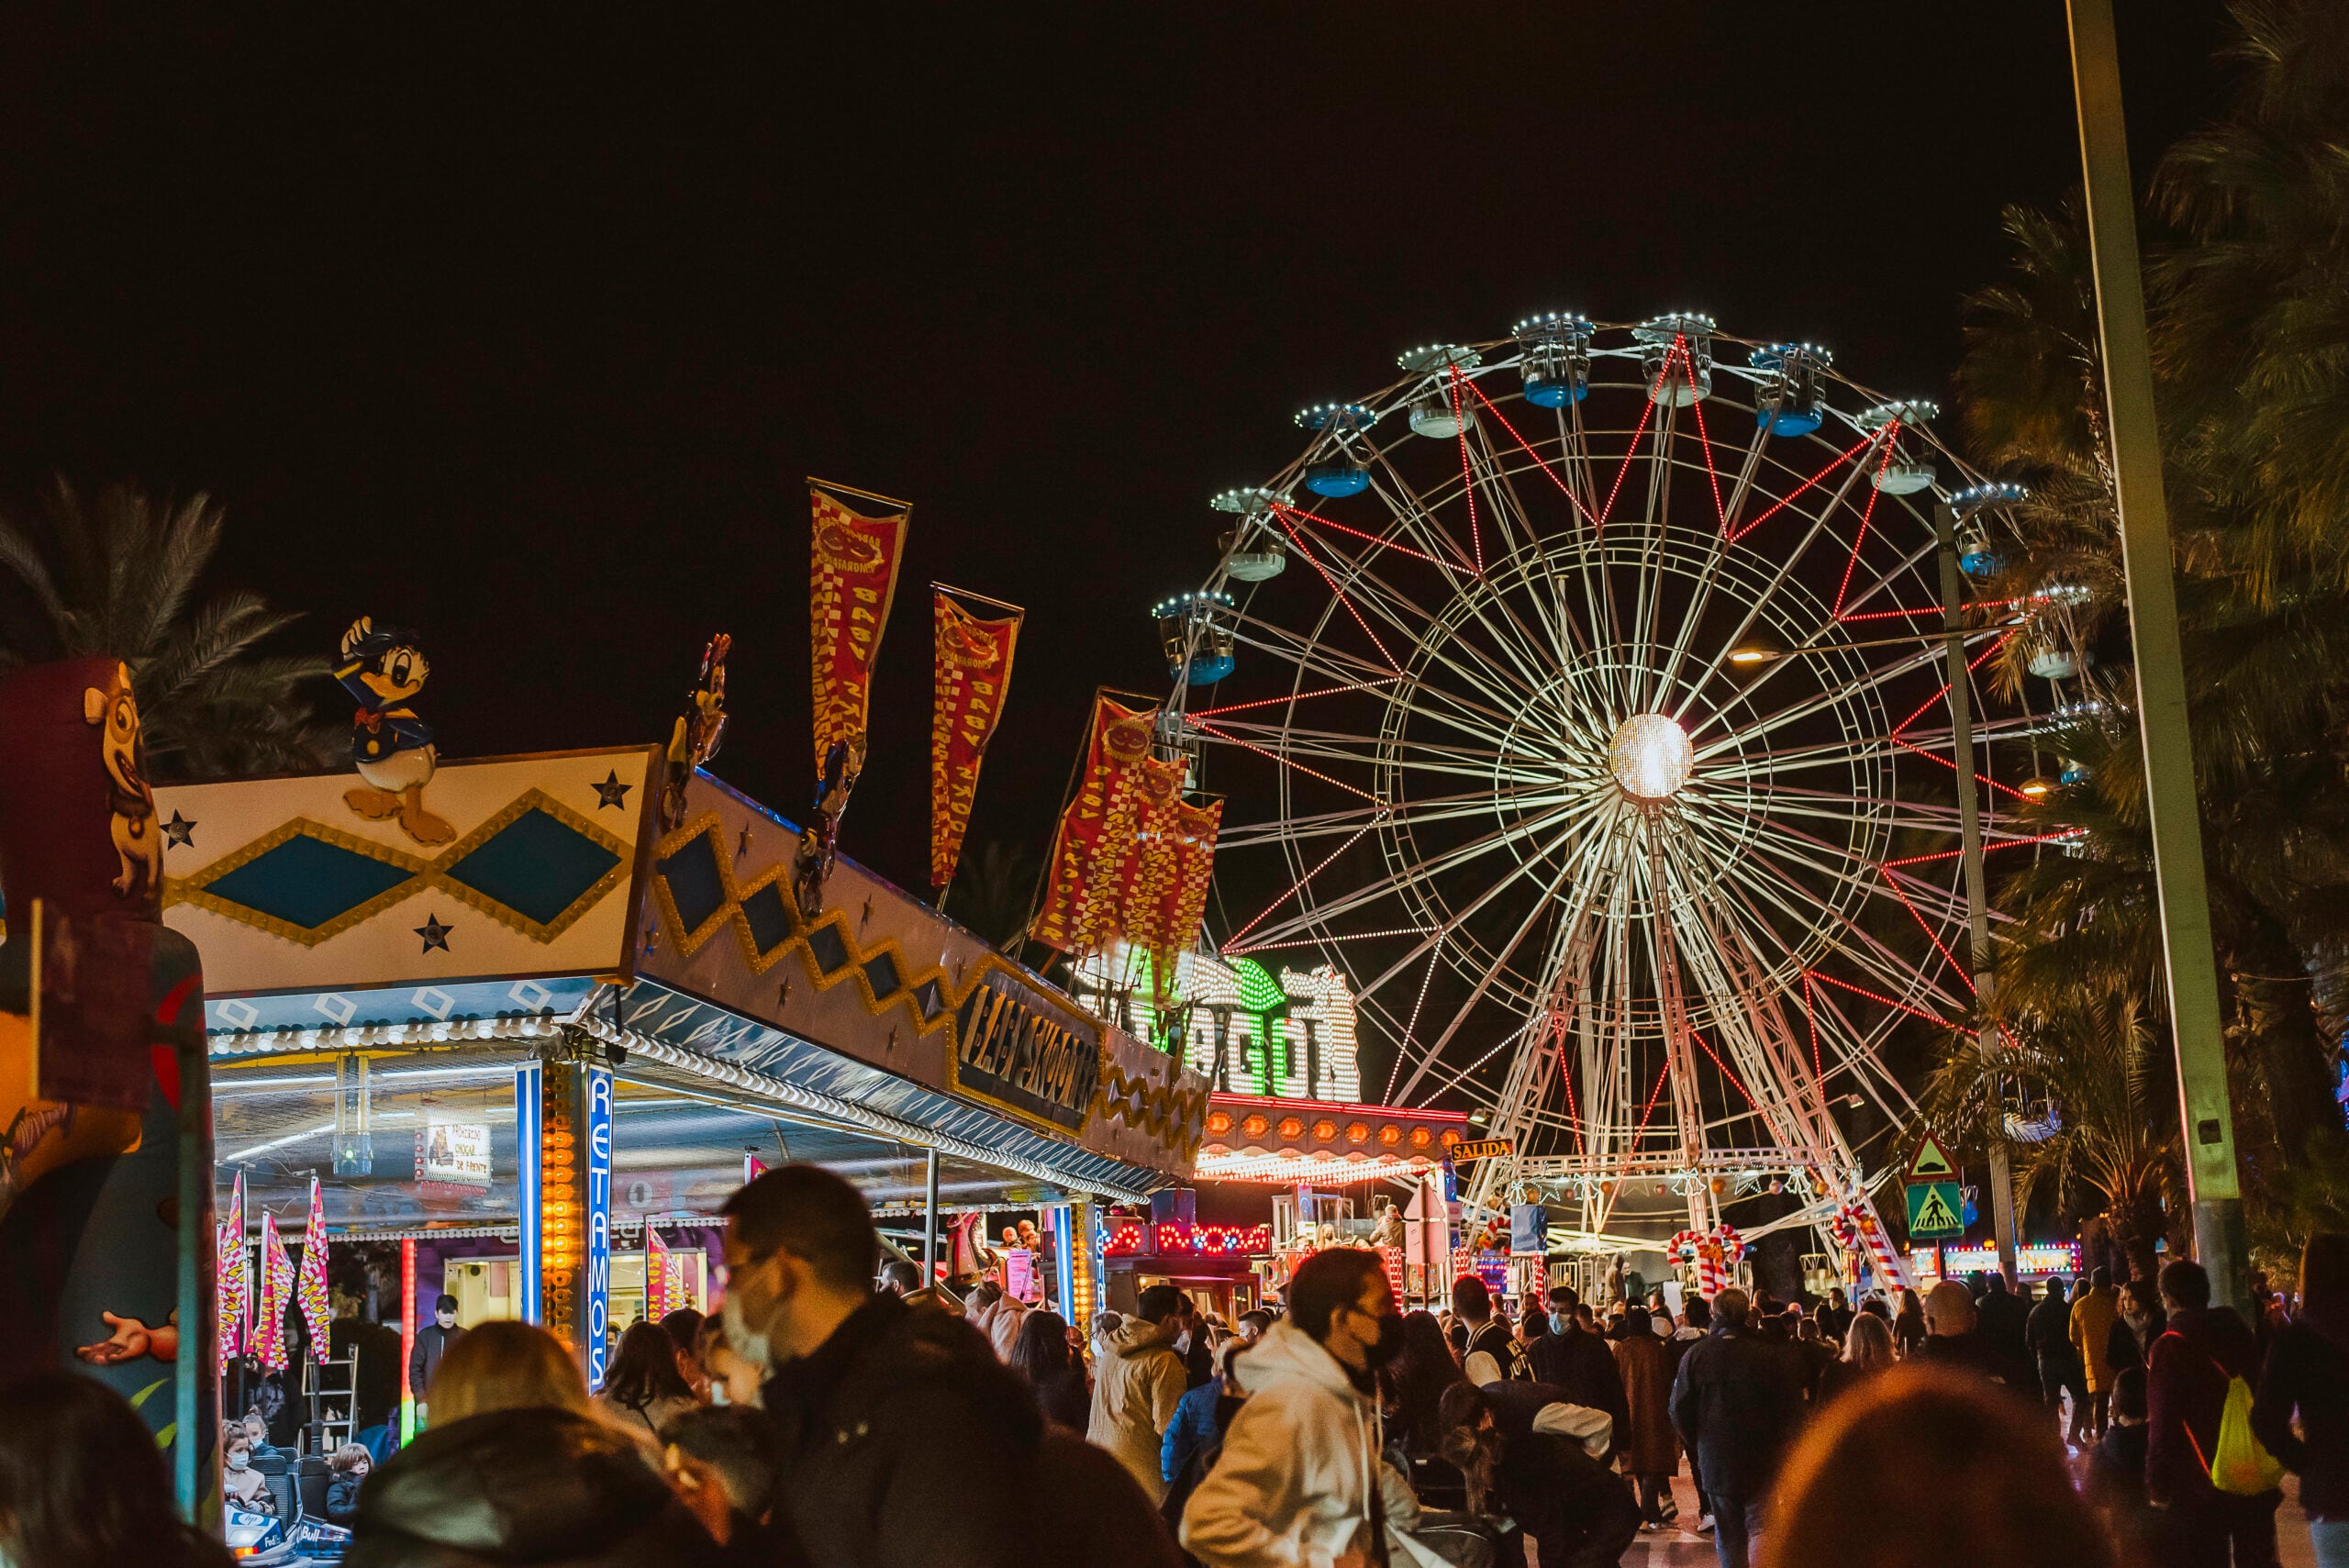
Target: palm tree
<point>2112,1123</point>
<point>118,574</point>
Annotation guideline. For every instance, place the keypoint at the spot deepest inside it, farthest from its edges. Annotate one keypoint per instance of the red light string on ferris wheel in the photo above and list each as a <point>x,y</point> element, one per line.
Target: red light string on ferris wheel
<point>1468,478</point>
<point>1311,560</point>
<point>1300,697</point>
<point>1824,979</point>
<point>1696,406</point>
<point>1944,762</point>
<point>1316,941</point>
<point>2001,844</point>
<point>1788,499</point>
<point>1631,449</point>
<point>1242,935</point>
<point>1630,1150</point>
<point>1222,734</point>
<point>1810,1017</point>
<point>1540,461</point>
<point>1973,664</point>
<point>1761,1115</point>
<point>1285,510</point>
<point>1866,514</point>
<point>1889,881</point>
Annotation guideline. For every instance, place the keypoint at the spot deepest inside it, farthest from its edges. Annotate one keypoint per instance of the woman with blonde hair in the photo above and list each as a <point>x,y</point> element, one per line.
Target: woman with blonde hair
<point>1867,1350</point>
<point>518,1468</point>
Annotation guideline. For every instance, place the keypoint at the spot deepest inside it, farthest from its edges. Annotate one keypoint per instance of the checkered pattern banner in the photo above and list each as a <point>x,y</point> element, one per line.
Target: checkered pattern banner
<point>852,580</point>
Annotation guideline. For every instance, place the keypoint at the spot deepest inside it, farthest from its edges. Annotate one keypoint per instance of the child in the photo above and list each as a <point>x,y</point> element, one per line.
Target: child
<point>257,1434</point>
<point>241,1486</point>
<point>349,1466</point>
<point>724,1463</point>
<point>2117,1463</point>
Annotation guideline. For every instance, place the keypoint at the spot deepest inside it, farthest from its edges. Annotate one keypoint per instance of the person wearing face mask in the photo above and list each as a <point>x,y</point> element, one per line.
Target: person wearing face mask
<point>432,1342</point>
<point>1579,1360</point>
<point>241,1486</point>
<point>902,1442</point>
<point>1300,1480</point>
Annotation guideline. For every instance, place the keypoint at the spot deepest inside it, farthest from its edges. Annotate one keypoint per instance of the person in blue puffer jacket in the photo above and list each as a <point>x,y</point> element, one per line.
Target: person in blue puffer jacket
<point>1195,1432</point>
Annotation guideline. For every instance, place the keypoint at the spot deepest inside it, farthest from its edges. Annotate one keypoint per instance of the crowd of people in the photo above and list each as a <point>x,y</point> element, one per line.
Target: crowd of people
<point>824,1418</point>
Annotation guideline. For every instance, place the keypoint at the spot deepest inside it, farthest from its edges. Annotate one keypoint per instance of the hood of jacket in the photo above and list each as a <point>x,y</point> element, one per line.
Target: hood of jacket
<point>1135,1335</point>
<point>520,1485</point>
<point>1288,1352</point>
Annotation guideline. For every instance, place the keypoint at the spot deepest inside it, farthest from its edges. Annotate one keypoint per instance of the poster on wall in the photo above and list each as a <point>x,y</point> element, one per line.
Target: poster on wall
<point>454,1151</point>
<point>1019,1274</point>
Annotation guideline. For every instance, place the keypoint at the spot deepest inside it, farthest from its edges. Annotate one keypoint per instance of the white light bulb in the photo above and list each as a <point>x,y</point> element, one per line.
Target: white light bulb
<point>1651,757</point>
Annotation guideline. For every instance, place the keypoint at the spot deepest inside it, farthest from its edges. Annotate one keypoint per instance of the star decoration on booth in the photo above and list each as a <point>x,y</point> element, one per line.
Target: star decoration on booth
<point>434,933</point>
<point>179,830</point>
<point>612,792</point>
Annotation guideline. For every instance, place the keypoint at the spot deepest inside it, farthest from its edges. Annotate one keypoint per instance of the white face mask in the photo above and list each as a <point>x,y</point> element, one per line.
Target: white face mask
<point>748,1343</point>
<point>240,1461</point>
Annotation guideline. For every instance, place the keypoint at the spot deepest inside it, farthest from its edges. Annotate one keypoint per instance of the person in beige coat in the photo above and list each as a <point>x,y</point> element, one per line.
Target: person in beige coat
<point>1138,1380</point>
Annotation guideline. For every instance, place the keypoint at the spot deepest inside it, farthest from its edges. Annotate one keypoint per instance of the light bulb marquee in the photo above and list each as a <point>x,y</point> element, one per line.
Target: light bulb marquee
<point>1244,1028</point>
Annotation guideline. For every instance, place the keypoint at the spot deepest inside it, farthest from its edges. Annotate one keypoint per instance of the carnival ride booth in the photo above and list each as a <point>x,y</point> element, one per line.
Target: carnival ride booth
<point>1329,1172</point>
<point>540,1050</point>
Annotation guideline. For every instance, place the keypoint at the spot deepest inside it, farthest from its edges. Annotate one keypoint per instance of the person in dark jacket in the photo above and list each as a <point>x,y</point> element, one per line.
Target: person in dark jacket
<point>1834,1315</point>
<point>2003,1319</point>
<point>1197,1348</point>
<point>1651,1453</point>
<point>2186,1378</point>
<point>349,1468</point>
<point>2116,1483</point>
<point>904,1442</point>
<point>432,1342</point>
<point>2047,1336</point>
<point>1580,1514</point>
<point>1487,1336</point>
<point>1581,1363</point>
<point>2308,1372</point>
<point>1735,1405</point>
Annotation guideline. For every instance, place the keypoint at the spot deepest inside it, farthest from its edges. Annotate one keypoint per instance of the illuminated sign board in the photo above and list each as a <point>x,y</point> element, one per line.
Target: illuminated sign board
<point>1245,1029</point>
<point>596,1306</point>
<point>455,1151</point>
<point>1483,1148</point>
<point>1024,1050</point>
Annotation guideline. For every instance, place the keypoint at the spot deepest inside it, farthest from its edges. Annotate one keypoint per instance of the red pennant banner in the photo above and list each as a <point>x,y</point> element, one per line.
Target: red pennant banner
<point>852,580</point>
<point>1092,851</point>
<point>973,671</point>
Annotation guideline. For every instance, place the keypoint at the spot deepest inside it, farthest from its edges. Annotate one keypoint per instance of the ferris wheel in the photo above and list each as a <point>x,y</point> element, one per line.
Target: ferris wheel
<point>1586,696</point>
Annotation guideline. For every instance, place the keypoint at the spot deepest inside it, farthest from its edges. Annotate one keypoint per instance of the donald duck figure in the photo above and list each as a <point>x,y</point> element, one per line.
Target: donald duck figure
<point>392,747</point>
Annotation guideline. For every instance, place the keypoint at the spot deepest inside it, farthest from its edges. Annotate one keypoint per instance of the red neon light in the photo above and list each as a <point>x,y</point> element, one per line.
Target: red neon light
<point>1887,1001</point>
<point>1308,876</point>
<point>1867,513</point>
<point>1196,722</point>
<point>1300,697</point>
<point>1494,410</point>
<point>1411,1113</point>
<point>1170,1240</point>
<point>1332,582</point>
<point>1696,406</point>
<point>1944,762</point>
<point>1286,510</point>
<point>1788,498</point>
<point>1637,430</point>
<point>2001,844</point>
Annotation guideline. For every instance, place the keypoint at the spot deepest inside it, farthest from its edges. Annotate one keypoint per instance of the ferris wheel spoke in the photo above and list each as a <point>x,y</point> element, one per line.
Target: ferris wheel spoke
<point>1408,511</point>
<point>1787,563</point>
<point>1396,882</point>
<point>1538,908</point>
<point>1871,677</point>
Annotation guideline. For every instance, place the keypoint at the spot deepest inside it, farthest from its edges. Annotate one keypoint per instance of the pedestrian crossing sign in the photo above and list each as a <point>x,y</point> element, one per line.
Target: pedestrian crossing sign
<point>1932,1162</point>
<point>1935,1209</point>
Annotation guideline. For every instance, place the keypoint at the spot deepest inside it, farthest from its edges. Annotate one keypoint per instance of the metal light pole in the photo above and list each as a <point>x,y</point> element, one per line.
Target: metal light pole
<point>930,1220</point>
<point>1977,897</point>
<point>2208,1118</point>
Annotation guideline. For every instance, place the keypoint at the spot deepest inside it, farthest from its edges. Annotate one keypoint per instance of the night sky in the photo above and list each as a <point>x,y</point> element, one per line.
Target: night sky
<point>523,331</point>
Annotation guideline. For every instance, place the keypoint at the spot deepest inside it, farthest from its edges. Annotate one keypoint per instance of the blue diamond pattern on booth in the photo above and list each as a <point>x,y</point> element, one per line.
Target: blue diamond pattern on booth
<point>537,865</point>
<point>306,882</point>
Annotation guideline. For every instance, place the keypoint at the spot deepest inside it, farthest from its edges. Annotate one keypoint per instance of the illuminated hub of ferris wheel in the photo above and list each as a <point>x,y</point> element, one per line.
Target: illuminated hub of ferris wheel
<point>1586,696</point>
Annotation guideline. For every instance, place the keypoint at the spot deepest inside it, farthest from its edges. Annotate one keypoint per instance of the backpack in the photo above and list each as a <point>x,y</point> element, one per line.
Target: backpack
<point>2241,1465</point>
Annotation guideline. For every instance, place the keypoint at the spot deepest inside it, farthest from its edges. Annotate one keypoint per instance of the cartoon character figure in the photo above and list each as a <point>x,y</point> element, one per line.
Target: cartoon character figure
<point>701,729</point>
<point>116,713</point>
<point>391,746</point>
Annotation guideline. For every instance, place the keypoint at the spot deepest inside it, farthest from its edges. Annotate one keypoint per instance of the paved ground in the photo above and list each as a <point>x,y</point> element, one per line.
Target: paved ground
<point>1677,1549</point>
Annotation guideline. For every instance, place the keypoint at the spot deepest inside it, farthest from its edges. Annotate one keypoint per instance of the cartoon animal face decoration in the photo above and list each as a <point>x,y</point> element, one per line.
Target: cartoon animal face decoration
<point>391,666</point>
<point>115,711</point>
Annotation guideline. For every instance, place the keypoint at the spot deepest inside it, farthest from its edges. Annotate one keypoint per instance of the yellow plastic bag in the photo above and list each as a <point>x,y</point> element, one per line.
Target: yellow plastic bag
<point>2239,1464</point>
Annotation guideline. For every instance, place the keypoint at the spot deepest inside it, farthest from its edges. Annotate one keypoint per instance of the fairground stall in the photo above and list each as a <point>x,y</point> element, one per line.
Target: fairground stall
<point>531,1023</point>
<point>1292,1159</point>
